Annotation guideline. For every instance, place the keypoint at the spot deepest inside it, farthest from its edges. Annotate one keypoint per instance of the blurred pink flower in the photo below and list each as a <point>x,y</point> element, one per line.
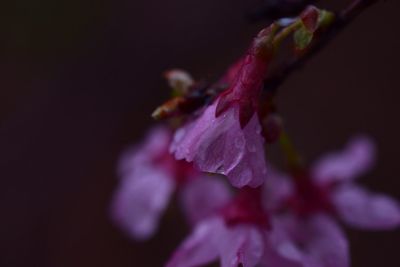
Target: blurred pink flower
<point>241,234</point>
<point>203,197</point>
<point>236,234</point>
<point>149,176</point>
<point>329,187</point>
<point>212,239</point>
<point>307,234</point>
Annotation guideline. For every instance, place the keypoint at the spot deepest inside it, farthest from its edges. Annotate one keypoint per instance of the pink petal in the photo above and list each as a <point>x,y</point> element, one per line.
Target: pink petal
<point>329,245</point>
<point>313,242</point>
<point>282,239</point>
<point>156,143</point>
<point>201,247</point>
<point>140,201</point>
<point>219,145</point>
<point>203,197</point>
<point>241,244</point>
<point>353,161</point>
<point>363,209</point>
<point>272,258</point>
<point>251,170</point>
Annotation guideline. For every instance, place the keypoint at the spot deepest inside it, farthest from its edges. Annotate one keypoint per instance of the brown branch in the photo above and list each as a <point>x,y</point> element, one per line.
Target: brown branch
<point>201,93</point>
<point>276,9</point>
<point>343,18</point>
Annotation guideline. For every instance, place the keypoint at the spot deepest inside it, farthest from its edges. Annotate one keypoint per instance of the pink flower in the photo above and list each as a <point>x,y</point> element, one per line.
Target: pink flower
<point>203,197</point>
<point>226,138</point>
<point>329,187</point>
<point>212,239</point>
<point>236,234</point>
<point>308,235</point>
<point>149,176</point>
<point>140,201</point>
<point>356,206</point>
<point>241,233</point>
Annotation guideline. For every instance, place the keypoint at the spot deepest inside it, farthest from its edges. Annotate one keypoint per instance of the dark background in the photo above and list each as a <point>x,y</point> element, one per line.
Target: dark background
<point>79,80</point>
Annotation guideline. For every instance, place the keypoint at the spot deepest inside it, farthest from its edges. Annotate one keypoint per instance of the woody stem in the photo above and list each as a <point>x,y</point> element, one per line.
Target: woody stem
<point>343,18</point>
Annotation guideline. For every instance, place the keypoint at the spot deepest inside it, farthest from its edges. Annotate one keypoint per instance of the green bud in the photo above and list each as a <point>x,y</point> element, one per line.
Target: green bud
<point>302,37</point>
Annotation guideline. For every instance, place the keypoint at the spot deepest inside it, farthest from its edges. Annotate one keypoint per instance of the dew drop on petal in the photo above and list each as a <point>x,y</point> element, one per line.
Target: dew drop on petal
<point>239,142</point>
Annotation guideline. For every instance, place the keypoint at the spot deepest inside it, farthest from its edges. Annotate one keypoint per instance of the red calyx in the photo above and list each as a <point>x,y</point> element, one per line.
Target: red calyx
<point>181,170</point>
<point>246,208</point>
<point>272,128</point>
<point>310,197</point>
<point>246,77</point>
<point>245,90</point>
<point>230,75</point>
<point>310,18</point>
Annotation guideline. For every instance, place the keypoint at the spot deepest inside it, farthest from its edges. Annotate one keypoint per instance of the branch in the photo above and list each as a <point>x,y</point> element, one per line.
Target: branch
<point>343,18</point>
<point>276,9</point>
<point>201,93</point>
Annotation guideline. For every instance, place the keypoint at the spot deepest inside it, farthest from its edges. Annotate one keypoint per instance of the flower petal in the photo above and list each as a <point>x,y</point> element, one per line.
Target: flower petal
<point>313,242</point>
<point>356,158</point>
<point>328,245</point>
<point>363,209</point>
<point>203,196</point>
<point>140,200</point>
<point>242,244</point>
<point>219,145</point>
<point>139,156</point>
<point>272,258</point>
<point>201,247</point>
<point>282,239</point>
<point>252,169</point>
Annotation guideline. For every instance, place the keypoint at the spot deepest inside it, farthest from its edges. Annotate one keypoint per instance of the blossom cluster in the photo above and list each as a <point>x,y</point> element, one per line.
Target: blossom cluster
<point>241,209</point>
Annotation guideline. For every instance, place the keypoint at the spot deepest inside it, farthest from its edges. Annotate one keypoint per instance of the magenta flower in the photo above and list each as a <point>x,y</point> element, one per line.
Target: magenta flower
<point>212,239</point>
<point>236,234</point>
<point>149,176</point>
<point>226,138</point>
<point>329,187</point>
<point>310,236</point>
<point>223,237</point>
<point>203,197</point>
<point>356,206</point>
<point>241,234</point>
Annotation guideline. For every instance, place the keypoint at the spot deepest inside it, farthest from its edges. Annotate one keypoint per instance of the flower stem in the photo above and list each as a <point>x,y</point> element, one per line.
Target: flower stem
<point>292,156</point>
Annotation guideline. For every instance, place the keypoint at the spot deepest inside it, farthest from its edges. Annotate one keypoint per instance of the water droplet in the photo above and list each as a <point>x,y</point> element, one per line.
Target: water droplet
<point>239,142</point>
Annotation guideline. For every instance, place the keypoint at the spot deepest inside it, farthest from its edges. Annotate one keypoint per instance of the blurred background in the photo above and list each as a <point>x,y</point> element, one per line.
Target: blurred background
<point>79,80</point>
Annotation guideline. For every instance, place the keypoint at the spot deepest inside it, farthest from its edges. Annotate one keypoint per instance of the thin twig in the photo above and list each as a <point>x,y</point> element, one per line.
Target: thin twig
<point>343,18</point>
<point>200,93</point>
<point>275,9</point>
